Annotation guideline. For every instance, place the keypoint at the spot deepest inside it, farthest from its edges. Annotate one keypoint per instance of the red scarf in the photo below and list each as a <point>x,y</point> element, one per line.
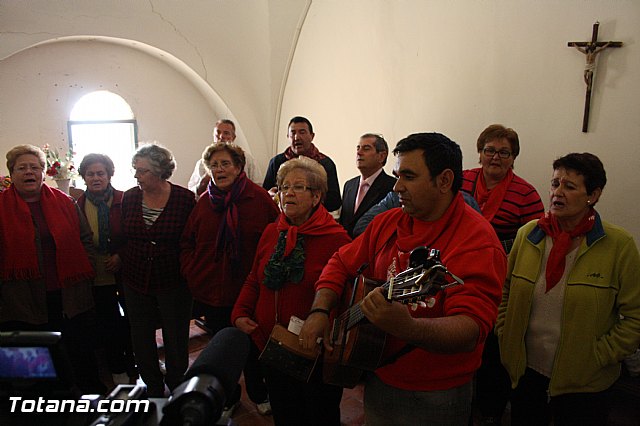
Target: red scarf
<point>314,153</point>
<point>562,243</point>
<point>19,259</point>
<point>320,223</point>
<point>225,202</point>
<point>413,233</point>
<point>491,200</point>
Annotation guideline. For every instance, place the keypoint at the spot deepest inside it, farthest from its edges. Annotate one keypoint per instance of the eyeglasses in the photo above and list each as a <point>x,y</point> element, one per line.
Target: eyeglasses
<point>490,152</point>
<point>140,172</point>
<point>223,165</point>
<point>297,189</point>
<point>26,168</point>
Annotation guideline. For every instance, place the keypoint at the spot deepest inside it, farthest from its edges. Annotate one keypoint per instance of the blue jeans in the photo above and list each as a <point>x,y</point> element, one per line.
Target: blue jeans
<point>386,405</point>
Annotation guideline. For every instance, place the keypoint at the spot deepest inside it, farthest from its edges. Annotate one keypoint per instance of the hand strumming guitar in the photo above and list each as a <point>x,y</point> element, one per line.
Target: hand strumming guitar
<point>317,325</point>
<point>391,317</point>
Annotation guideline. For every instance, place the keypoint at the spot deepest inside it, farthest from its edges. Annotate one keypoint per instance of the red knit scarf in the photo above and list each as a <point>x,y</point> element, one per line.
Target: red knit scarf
<point>413,233</point>
<point>562,243</point>
<point>225,202</point>
<point>19,260</point>
<point>320,223</point>
<point>314,153</point>
<point>491,200</point>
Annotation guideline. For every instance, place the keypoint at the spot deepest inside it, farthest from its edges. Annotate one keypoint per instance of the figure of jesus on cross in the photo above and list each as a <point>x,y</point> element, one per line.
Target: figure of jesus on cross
<point>591,50</point>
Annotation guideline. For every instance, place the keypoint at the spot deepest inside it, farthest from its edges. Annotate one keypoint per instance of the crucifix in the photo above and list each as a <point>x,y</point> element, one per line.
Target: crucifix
<point>591,50</point>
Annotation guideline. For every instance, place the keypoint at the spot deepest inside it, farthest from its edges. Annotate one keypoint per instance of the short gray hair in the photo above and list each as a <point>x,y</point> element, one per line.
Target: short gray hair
<point>160,158</point>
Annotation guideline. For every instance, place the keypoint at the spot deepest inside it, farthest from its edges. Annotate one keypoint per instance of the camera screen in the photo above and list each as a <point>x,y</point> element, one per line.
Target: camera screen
<point>26,363</point>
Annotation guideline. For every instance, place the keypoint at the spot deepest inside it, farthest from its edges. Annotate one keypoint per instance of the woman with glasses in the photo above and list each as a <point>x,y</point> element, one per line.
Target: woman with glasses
<point>570,310</point>
<point>508,202</point>
<point>288,262</point>
<point>154,214</point>
<point>46,267</point>
<point>218,246</point>
<point>101,204</point>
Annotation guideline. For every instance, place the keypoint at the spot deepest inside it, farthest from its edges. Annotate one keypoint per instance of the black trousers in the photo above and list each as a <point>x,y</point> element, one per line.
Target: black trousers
<point>530,404</point>
<point>218,318</point>
<point>114,329</point>
<point>297,403</point>
<point>493,385</point>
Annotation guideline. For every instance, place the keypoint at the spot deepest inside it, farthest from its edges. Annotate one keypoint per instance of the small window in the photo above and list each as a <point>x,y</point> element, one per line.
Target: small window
<point>103,122</point>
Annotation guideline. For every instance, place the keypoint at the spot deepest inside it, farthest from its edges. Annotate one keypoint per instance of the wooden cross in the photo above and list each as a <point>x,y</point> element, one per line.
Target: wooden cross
<point>591,50</point>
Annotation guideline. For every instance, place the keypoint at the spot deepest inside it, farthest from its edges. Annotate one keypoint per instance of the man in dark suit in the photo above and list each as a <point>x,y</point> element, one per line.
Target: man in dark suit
<point>365,191</point>
<point>301,136</point>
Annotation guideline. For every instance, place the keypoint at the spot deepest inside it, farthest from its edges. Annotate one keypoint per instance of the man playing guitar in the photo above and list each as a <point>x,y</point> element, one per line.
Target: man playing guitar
<point>432,350</point>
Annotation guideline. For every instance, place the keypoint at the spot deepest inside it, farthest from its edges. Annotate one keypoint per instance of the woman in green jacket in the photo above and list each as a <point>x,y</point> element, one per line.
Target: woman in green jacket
<point>570,308</point>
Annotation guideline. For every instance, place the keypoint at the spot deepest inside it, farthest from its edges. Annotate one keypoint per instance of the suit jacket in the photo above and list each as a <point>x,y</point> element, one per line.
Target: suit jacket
<point>378,190</point>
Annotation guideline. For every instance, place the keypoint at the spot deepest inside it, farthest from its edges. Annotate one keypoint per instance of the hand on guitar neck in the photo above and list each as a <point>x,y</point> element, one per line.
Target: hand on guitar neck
<point>426,277</point>
<point>392,318</point>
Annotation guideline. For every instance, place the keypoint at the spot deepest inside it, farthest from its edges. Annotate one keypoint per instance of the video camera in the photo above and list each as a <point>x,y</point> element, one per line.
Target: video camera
<point>36,384</point>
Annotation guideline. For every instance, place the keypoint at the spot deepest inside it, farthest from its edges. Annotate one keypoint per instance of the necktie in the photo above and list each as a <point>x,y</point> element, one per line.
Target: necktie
<point>362,191</point>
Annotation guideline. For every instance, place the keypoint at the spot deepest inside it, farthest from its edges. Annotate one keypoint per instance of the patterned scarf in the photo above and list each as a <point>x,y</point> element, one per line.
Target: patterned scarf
<point>314,153</point>
<point>491,200</point>
<point>287,261</point>
<point>225,202</point>
<point>562,243</point>
<point>101,201</point>
<point>19,260</point>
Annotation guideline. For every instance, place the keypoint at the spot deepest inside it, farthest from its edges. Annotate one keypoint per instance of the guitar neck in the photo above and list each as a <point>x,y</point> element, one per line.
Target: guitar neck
<point>354,315</point>
<point>409,286</point>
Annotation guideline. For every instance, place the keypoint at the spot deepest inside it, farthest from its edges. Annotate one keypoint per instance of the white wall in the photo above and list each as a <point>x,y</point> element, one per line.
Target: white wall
<point>41,85</point>
<point>398,67</point>
<point>239,49</point>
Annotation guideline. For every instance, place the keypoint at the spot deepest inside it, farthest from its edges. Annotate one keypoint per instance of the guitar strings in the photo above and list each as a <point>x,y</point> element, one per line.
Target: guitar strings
<point>353,315</point>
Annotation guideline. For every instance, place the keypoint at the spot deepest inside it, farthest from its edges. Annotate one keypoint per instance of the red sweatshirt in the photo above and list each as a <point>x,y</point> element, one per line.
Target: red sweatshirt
<point>469,248</point>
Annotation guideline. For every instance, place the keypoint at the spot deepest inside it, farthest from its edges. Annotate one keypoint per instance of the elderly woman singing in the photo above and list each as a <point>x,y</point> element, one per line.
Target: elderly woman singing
<point>289,259</point>
<point>46,267</point>
<point>154,215</point>
<point>101,204</point>
<point>507,201</point>
<point>570,308</point>
<point>218,246</point>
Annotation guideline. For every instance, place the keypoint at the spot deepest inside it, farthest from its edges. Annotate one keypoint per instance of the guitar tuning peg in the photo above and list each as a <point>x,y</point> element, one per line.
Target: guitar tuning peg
<point>422,304</point>
<point>431,302</point>
<point>413,306</point>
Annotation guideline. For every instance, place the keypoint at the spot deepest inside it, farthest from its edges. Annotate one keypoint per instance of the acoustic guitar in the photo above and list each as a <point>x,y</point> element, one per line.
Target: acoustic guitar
<point>357,344</point>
